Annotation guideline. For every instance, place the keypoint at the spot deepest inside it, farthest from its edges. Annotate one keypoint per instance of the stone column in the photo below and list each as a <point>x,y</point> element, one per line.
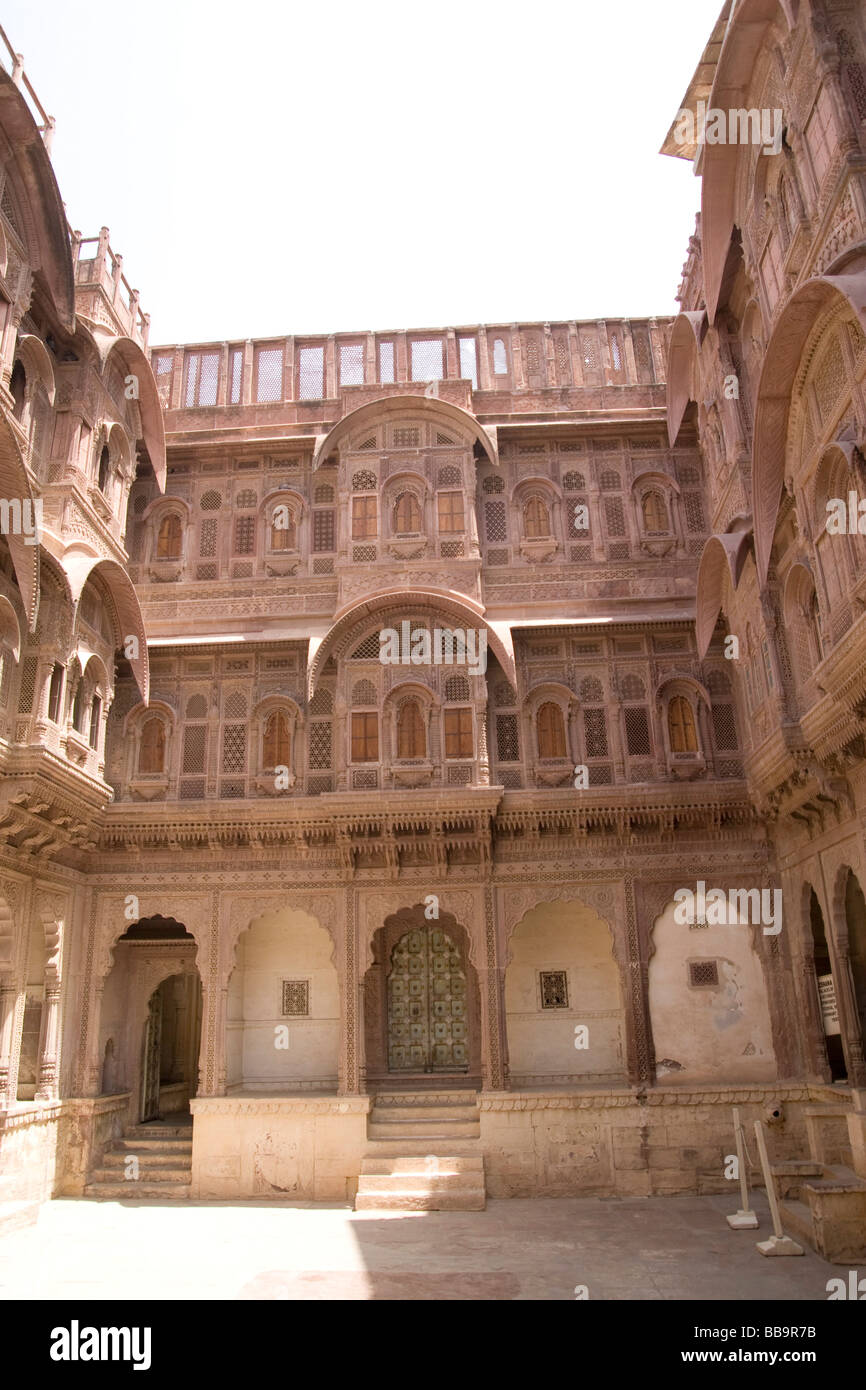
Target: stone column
<point>849,1018</point>
<point>211,1058</point>
<point>483,761</point>
<point>352,1019</point>
<point>47,1084</point>
<point>491,984</point>
<point>8,999</point>
<point>638,1033</point>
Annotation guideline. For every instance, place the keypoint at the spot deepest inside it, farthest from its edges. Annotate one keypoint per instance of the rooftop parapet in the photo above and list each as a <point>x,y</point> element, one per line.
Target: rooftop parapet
<point>102,291</point>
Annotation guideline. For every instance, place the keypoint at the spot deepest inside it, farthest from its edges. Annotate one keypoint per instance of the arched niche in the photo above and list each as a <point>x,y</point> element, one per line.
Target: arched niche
<point>708,1002</point>
<point>283,1007</point>
<point>561,978</point>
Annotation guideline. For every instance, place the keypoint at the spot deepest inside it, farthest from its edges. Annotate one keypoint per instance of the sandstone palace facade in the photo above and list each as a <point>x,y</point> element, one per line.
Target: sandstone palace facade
<point>355,914</point>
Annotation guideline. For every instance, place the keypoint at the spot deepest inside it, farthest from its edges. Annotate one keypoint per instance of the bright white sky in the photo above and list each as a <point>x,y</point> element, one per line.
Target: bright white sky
<point>273,167</point>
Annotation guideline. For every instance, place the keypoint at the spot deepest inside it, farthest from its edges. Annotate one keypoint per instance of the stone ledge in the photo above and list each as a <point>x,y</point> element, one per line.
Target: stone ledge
<point>281,1105</point>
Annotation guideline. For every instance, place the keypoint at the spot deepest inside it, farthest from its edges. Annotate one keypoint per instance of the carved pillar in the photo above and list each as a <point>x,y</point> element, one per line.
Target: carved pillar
<point>48,1081</point>
<point>483,755</point>
<point>341,734</point>
<point>640,1059</point>
<point>491,981</point>
<point>91,1065</point>
<point>849,1017</point>
<point>484,382</point>
<point>212,1054</point>
<point>351,1022</point>
<point>8,999</point>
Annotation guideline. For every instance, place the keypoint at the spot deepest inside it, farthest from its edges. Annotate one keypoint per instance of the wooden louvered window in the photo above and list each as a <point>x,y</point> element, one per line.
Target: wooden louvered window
<point>407,515</point>
<point>681,726</point>
<point>363,518</point>
<point>411,735</point>
<point>450,511</point>
<point>365,738</point>
<point>655,516</point>
<point>169,539</point>
<point>151,753</point>
<point>458,733</point>
<point>536,520</point>
<point>277,746</point>
<point>551,731</point>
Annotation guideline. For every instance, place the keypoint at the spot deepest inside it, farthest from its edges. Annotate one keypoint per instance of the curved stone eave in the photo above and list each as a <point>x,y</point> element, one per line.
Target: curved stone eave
<point>773,399</point>
<point>136,362</point>
<point>721,552</point>
<point>385,406</point>
<point>686,337</point>
<point>15,486</point>
<point>733,76</point>
<point>466,612</point>
<point>79,564</point>
<point>36,175</point>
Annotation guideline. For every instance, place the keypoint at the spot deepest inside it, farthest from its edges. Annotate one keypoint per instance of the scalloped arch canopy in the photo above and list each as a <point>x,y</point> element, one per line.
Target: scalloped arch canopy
<point>391,407</point>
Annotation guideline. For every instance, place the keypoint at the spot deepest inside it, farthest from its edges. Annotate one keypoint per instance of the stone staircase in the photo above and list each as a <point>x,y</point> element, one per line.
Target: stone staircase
<point>824,1206</point>
<point>424,1154</point>
<point>822,1201</point>
<point>164,1154</point>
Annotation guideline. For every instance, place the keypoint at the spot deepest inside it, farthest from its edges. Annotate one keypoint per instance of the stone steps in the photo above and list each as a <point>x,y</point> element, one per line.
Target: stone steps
<point>137,1191</point>
<point>423,1183</point>
<point>141,1145</point>
<point>423,1154</point>
<point>164,1157</point>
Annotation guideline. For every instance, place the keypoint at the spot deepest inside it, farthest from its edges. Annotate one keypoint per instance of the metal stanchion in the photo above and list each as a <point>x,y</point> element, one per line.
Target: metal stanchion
<point>744,1219</point>
<point>778,1243</point>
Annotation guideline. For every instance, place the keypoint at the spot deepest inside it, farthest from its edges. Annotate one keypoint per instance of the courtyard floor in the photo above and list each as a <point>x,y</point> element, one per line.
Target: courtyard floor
<point>619,1248</point>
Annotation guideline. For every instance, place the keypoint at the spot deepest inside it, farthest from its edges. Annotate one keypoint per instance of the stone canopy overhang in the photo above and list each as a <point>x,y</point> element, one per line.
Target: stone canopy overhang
<point>721,554</point>
<point>454,610</point>
<point>397,407</point>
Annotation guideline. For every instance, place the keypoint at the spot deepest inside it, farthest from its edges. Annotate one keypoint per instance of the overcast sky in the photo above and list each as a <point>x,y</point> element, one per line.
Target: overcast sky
<point>272,167</point>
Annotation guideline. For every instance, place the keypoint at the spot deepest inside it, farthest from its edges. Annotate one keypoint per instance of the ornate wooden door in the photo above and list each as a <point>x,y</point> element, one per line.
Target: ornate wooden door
<point>427,1004</point>
<point>152,1059</point>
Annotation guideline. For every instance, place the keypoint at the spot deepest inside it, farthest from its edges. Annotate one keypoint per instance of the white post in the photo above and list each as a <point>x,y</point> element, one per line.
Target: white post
<point>745,1219</point>
<point>778,1244</point>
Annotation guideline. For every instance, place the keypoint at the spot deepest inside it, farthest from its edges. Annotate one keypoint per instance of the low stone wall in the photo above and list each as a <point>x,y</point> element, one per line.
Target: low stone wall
<point>87,1128</point>
<point>619,1143</point>
<point>285,1149</point>
<point>29,1150</point>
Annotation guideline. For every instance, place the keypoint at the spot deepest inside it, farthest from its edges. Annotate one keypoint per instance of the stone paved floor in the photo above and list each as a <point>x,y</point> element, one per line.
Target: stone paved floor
<point>628,1248</point>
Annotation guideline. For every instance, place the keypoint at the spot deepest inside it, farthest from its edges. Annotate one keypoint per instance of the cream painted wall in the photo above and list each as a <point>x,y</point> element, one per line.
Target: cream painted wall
<point>287,945</point>
<point>571,937</point>
<point>714,1034</point>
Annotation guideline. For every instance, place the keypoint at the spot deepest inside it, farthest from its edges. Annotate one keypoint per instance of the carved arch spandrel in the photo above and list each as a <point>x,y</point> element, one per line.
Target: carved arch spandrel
<point>466,907</point>
<point>606,900</point>
<point>52,910</point>
<point>192,912</point>
<point>241,914</point>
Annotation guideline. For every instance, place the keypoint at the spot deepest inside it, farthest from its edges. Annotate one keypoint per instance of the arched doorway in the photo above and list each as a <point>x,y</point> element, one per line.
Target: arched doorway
<point>421,1005</point>
<point>826,991</point>
<point>150,1020</point>
<point>855,921</point>
<point>427,1022</point>
<point>170,1047</point>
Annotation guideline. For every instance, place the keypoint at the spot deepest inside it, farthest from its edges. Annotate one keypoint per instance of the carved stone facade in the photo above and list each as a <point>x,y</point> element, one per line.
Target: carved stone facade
<point>369,699</point>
